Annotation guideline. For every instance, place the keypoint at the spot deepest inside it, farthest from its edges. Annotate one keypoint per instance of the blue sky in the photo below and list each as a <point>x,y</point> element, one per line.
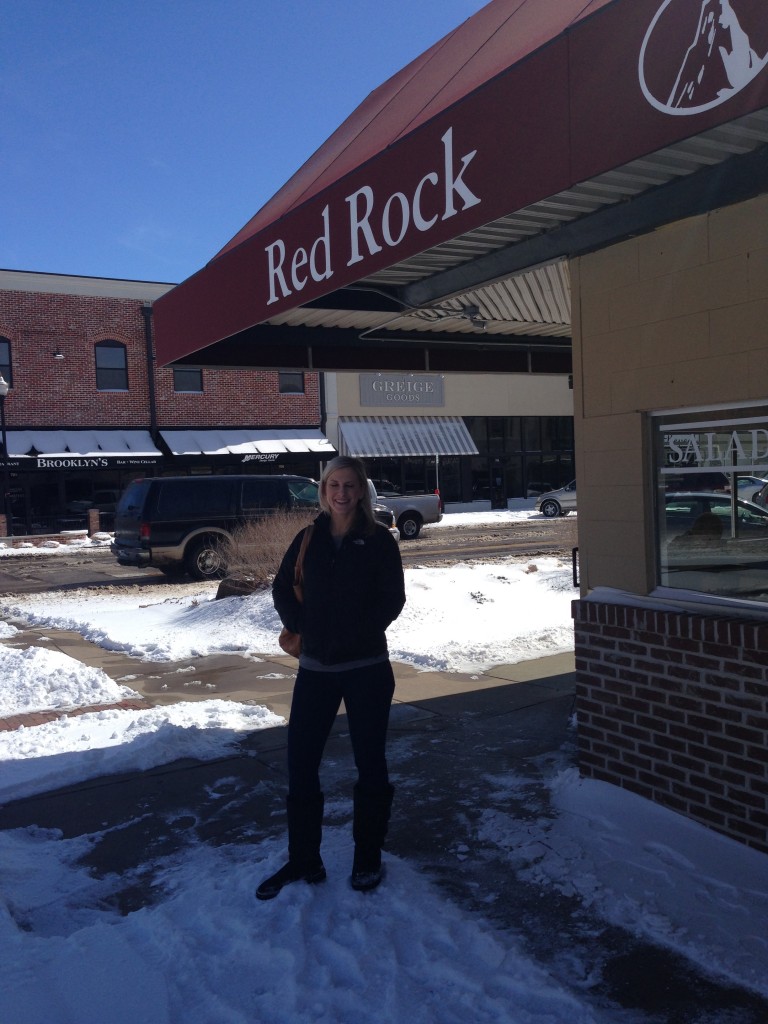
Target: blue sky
<point>137,137</point>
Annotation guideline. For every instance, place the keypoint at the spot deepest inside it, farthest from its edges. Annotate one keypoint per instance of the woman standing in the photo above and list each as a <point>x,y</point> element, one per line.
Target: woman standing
<point>353,589</point>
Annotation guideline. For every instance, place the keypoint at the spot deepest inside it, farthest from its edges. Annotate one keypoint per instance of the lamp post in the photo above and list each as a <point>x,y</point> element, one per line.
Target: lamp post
<point>3,394</point>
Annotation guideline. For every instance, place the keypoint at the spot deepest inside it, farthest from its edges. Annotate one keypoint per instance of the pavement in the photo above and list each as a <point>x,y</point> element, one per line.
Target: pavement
<point>449,734</point>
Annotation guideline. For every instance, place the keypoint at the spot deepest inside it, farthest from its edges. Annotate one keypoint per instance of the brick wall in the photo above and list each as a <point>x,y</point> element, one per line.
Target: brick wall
<point>50,392</point>
<point>674,706</point>
<point>237,397</point>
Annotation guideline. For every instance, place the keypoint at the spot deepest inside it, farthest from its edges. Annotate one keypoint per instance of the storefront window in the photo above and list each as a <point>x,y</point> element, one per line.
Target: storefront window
<point>496,434</point>
<point>532,429</point>
<point>478,431</point>
<point>449,481</point>
<point>515,438</point>
<point>712,505</point>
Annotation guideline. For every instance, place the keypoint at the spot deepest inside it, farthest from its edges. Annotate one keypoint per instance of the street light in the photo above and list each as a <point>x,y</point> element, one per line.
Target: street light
<point>4,385</point>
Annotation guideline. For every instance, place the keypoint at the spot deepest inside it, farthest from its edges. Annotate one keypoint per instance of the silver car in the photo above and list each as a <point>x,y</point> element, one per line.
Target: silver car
<point>559,502</point>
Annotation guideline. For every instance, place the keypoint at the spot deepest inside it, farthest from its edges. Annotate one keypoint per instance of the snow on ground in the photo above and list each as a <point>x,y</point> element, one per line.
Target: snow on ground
<point>205,952</point>
<point>458,619</point>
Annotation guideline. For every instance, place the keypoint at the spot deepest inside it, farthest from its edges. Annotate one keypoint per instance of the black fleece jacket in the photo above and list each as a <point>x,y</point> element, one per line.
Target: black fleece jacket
<point>351,594</point>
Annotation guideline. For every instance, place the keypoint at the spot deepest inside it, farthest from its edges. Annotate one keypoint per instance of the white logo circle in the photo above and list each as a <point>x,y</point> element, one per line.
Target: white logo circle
<point>718,63</point>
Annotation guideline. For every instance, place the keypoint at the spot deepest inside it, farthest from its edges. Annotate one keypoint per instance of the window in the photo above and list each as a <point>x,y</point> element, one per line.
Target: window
<point>195,499</point>
<point>264,494</point>
<point>532,434</point>
<point>304,493</point>
<point>111,366</point>
<point>291,383</point>
<point>188,380</point>
<point>712,536</point>
<point>5,360</point>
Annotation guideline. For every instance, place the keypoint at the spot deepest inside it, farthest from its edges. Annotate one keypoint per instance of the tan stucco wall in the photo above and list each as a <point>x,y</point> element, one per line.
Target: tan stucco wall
<point>467,394</point>
<point>674,319</point>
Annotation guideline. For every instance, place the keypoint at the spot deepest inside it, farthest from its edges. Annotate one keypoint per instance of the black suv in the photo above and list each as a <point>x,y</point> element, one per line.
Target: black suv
<point>177,523</point>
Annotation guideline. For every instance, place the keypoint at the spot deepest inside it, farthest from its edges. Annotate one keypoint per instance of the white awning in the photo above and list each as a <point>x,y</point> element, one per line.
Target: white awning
<point>85,443</point>
<point>248,442</point>
<point>404,435</point>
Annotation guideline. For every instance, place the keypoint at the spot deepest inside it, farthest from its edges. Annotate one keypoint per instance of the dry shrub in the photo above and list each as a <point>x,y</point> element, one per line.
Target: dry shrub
<point>257,547</point>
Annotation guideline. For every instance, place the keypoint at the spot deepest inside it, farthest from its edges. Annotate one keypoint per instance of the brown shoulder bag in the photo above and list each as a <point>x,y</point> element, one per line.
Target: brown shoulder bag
<point>291,642</point>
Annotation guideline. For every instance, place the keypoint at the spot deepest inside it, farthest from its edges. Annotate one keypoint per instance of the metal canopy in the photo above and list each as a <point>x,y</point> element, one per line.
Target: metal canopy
<point>433,230</point>
<point>91,444</point>
<point>248,443</point>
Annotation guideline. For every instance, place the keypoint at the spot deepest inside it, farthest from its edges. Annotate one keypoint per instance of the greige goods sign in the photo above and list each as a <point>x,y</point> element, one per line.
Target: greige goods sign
<point>397,390</point>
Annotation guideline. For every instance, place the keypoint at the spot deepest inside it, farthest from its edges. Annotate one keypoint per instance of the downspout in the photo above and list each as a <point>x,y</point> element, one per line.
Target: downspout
<point>146,311</point>
<point>323,409</point>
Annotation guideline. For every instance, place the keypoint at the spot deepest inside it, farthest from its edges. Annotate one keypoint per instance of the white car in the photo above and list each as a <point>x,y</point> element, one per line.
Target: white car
<point>559,502</point>
<point>749,486</point>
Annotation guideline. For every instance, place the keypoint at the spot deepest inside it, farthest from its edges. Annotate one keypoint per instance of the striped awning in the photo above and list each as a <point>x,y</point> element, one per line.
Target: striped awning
<point>370,436</point>
<point>81,443</point>
<point>278,441</point>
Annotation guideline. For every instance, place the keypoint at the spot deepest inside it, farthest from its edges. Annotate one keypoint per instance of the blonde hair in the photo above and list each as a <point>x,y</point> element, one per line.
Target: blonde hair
<point>364,506</point>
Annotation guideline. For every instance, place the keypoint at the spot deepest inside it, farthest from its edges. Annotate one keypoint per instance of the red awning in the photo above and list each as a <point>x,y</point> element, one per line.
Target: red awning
<point>522,101</point>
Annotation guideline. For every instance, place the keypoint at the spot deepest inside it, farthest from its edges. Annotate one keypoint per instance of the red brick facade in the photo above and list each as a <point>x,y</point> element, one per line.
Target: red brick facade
<point>52,324</point>
<point>674,706</point>
<point>50,392</point>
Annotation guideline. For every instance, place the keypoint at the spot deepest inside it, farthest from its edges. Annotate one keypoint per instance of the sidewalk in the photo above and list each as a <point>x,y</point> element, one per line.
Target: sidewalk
<point>270,682</point>
<point>450,735</point>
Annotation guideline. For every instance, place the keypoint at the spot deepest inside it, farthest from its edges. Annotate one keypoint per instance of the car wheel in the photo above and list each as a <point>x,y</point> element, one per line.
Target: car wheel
<point>409,525</point>
<point>203,559</point>
<point>550,508</point>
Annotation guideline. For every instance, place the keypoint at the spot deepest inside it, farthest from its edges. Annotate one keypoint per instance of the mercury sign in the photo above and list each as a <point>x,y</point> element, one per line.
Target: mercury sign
<point>398,390</point>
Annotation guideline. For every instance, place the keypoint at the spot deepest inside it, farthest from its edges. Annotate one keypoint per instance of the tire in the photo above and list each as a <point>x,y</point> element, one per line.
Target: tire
<point>551,508</point>
<point>203,559</point>
<point>409,525</point>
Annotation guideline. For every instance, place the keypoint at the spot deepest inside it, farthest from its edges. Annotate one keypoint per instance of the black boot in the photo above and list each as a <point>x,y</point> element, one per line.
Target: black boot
<point>305,826</point>
<point>369,829</point>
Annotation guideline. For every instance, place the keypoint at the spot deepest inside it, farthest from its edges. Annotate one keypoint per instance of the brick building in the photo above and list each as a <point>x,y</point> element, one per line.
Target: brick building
<point>87,408</point>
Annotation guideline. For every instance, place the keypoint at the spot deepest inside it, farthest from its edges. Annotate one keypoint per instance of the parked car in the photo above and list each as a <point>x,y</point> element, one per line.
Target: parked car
<point>537,487</point>
<point>756,491</point>
<point>685,510</point>
<point>411,511</point>
<point>104,501</point>
<point>715,544</point>
<point>761,496</point>
<point>178,524</point>
<point>386,488</point>
<point>559,502</point>
<point>747,486</point>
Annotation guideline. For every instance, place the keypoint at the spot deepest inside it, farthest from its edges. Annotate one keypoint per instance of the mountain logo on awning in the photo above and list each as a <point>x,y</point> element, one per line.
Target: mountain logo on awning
<point>698,54</point>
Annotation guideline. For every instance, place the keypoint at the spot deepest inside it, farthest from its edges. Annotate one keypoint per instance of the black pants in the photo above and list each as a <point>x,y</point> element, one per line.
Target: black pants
<point>317,696</point>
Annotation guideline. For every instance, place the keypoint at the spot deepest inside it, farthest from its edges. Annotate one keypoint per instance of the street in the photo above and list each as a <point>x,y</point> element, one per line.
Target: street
<point>96,567</point>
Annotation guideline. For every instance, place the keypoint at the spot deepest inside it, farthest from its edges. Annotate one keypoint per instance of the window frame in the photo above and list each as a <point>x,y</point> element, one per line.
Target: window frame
<point>189,370</point>
<point>281,381</point>
<point>6,366</point>
<point>110,345</point>
<point>705,451</point>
